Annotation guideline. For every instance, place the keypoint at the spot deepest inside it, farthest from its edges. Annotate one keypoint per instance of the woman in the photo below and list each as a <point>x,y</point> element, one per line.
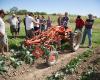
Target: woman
<point>49,22</point>
<point>79,23</point>
<point>43,22</point>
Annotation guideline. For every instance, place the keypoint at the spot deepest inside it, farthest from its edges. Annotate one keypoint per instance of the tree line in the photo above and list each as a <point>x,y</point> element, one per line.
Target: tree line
<point>23,11</point>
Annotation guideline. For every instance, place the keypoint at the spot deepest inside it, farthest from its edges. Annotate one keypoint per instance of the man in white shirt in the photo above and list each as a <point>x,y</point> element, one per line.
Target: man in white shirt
<point>30,21</point>
<point>13,25</point>
<point>3,37</point>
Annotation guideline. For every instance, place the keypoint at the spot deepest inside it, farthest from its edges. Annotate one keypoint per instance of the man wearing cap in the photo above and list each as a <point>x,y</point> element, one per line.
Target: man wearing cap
<point>13,25</point>
<point>3,36</point>
<point>88,30</point>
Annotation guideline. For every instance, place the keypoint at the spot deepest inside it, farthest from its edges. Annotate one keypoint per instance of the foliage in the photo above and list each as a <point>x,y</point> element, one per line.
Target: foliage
<point>70,67</point>
<point>15,62</point>
<point>24,55</point>
<point>22,12</point>
<point>13,10</point>
<point>2,65</point>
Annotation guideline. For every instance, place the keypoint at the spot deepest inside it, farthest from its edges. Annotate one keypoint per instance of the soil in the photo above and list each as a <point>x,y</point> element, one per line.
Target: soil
<point>39,70</point>
<point>92,62</point>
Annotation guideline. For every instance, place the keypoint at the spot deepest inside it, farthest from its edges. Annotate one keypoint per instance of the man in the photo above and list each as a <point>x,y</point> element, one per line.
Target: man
<point>3,37</point>
<point>24,21</point>
<point>30,21</point>
<point>65,20</point>
<point>13,25</point>
<point>59,20</point>
<point>88,30</point>
<point>19,22</point>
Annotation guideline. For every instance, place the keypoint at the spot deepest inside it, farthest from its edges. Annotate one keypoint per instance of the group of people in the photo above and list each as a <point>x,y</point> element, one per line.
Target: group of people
<point>14,22</point>
<point>80,23</point>
<point>34,23</point>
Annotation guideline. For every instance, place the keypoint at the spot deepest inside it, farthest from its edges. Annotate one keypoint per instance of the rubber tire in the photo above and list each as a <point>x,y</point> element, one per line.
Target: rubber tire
<point>54,61</point>
<point>76,35</point>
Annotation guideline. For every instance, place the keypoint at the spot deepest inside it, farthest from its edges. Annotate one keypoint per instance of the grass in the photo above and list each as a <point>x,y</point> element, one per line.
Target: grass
<point>14,42</point>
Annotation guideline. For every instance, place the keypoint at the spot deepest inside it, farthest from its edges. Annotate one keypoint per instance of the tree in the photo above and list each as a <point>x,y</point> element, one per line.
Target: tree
<point>22,12</point>
<point>13,10</point>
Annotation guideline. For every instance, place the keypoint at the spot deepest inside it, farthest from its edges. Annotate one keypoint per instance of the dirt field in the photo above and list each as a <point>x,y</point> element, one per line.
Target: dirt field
<point>92,63</point>
<point>39,71</point>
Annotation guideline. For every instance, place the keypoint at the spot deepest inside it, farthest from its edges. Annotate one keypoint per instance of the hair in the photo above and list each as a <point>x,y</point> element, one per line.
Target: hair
<point>30,14</point>
<point>78,16</point>
<point>1,11</point>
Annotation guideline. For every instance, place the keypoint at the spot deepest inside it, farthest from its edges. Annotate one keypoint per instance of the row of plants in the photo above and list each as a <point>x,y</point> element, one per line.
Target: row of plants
<point>70,68</point>
<point>20,56</point>
<point>88,75</point>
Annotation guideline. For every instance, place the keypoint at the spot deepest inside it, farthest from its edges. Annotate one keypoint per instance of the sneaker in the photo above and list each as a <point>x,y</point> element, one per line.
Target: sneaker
<point>89,46</point>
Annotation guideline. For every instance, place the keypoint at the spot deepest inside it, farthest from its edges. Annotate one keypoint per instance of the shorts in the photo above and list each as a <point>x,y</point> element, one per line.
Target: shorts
<point>29,33</point>
<point>13,28</point>
<point>36,28</point>
<point>4,40</point>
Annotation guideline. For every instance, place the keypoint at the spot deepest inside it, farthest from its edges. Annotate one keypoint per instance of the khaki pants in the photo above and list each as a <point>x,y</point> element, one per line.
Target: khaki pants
<point>4,42</point>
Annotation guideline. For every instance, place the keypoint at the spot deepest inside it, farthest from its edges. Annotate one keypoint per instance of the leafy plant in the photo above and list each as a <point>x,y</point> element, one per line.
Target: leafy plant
<point>71,66</point>
<point>2,65</point>
<point>15,62</point>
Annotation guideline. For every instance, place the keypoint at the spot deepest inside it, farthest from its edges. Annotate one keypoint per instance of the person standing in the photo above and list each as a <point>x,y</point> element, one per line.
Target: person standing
<point>30,21</point>
<point>3,36</point>
<point>65,20</point>
<point>59,20</point>
<point>79,23</point>
<point>19,21</point>
<point>36,26</point>
<point>13,25</point>
<point>49,22</point>
<point>43,23</point>
<point>88,30</point>
<point>24,21</point>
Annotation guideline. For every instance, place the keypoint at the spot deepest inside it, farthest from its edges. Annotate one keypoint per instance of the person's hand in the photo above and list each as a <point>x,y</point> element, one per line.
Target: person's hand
<point>1,35</point>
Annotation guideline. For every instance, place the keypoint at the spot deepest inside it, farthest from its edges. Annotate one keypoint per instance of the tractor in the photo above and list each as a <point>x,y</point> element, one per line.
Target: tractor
<point>47,43</point>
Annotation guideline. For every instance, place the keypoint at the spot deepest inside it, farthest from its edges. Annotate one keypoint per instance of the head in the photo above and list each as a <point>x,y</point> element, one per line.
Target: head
<point>66,13</point>
<point>2,13</point>
<point>90,16</point>
<point>49,17</point>
<point>59,15</point>
<point>13,15</point>
<point>78,17</point>
<point>31,14</point>
<point>35,17</point>
<point>42,17</point>
<point>18,17</point>
<point>38,16</point>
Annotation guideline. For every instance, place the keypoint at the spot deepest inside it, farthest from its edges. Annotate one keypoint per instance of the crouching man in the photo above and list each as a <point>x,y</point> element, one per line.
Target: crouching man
<point>3,36</point>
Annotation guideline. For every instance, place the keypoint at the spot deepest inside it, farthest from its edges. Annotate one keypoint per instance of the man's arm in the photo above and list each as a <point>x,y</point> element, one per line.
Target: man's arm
<point>1,35</point>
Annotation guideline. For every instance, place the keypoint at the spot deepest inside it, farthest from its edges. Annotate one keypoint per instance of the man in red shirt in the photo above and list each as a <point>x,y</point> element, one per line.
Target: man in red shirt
<point>79,23</point>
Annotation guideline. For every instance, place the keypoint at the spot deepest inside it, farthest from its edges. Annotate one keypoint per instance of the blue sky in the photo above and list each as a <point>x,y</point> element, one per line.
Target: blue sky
<point>82,7</point>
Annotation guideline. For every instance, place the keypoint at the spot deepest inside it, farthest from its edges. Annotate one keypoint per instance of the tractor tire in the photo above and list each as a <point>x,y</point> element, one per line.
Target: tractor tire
<point>52,58</point>
<point>76,40</point>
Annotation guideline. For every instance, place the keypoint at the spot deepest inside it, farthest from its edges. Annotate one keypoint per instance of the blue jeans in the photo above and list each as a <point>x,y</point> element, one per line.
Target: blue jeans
<point>89,33</point>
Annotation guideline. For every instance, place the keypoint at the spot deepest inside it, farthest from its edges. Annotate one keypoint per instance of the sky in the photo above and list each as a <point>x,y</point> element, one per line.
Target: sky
<point>77,7</point>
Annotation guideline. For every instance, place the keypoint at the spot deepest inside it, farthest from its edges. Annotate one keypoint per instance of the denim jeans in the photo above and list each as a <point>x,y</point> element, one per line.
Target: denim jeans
<point>89,33</point>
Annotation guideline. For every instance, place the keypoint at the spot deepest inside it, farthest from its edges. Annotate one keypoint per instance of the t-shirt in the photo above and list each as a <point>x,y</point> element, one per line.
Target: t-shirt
<point>29,22</point>
<point>64,21</point>
<point>79,23</point>
<point>38,20</point>
<point>2,26</point>
<point>13,21</point>
<point>89,23</point>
